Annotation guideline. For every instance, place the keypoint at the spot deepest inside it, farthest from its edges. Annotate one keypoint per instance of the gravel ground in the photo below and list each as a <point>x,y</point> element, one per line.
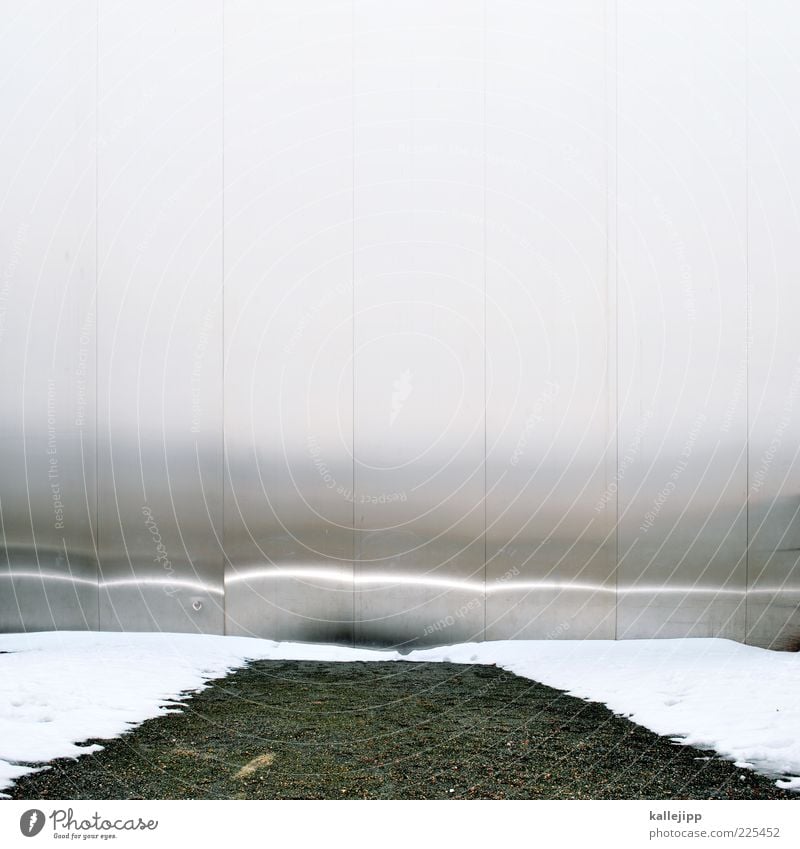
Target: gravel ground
<point>309,730</point>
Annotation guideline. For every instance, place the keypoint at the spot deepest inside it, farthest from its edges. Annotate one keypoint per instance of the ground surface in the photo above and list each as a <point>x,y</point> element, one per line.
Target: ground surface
<point>300,729</point>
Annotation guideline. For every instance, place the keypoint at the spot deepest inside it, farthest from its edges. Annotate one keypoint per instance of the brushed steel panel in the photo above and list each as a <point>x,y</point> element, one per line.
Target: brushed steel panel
<point>419,340</point>
<point>48,572</point>
<point>159,315</point>
<point>550,441</point>
<point>682,301</point>
<point>773,601</point>
<point>403,334</point>
<point>288,326</point>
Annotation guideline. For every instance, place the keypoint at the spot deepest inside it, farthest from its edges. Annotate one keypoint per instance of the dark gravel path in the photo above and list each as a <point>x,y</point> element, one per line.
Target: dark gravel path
<point>391,730</point>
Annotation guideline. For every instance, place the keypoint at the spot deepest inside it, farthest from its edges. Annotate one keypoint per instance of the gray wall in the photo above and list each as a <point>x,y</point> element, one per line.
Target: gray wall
<point>401,322</point>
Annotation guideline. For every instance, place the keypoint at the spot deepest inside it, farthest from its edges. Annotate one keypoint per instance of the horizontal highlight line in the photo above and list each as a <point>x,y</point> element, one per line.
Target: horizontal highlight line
<point>347,579</point>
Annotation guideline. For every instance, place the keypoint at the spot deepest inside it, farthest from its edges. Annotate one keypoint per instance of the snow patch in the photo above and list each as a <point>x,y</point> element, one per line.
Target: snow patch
<point>743,702</point>
<point>61,689</point>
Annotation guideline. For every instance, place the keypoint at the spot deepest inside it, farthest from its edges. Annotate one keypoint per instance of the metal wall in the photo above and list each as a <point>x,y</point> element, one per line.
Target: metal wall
<point>159,293</point>
<point>550,547</point>
<point>48,270</point>
<point>419,429</point>
<point>400,322</point>
<point>682,298</point>
<point>773,598</point>
<point>288,319</point>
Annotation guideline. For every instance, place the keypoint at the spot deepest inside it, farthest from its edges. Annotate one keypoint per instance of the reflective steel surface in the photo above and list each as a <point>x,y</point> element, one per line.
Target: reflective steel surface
<point>159,376</point>
<point>419,428</point>
<point>773,600</point>
<point>48,475</point>
<point>550,545</point>
<point>682,283</point>
<point>288,320</point>
<point>401,323</point>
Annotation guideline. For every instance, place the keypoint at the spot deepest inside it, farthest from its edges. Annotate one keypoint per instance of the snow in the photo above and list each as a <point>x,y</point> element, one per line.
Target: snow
<point>743,702</point>
<point>60,689</point>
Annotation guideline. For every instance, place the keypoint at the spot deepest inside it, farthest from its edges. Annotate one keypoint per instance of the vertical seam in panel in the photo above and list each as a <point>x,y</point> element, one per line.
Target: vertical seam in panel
<point>747,316</point>
<point>616,306</point>
<point>353,299</point>
<point>222,336</point>
<point>98,568</point>
<point>616,315</point>
<point>612,91</point>
<point>485,340</point>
